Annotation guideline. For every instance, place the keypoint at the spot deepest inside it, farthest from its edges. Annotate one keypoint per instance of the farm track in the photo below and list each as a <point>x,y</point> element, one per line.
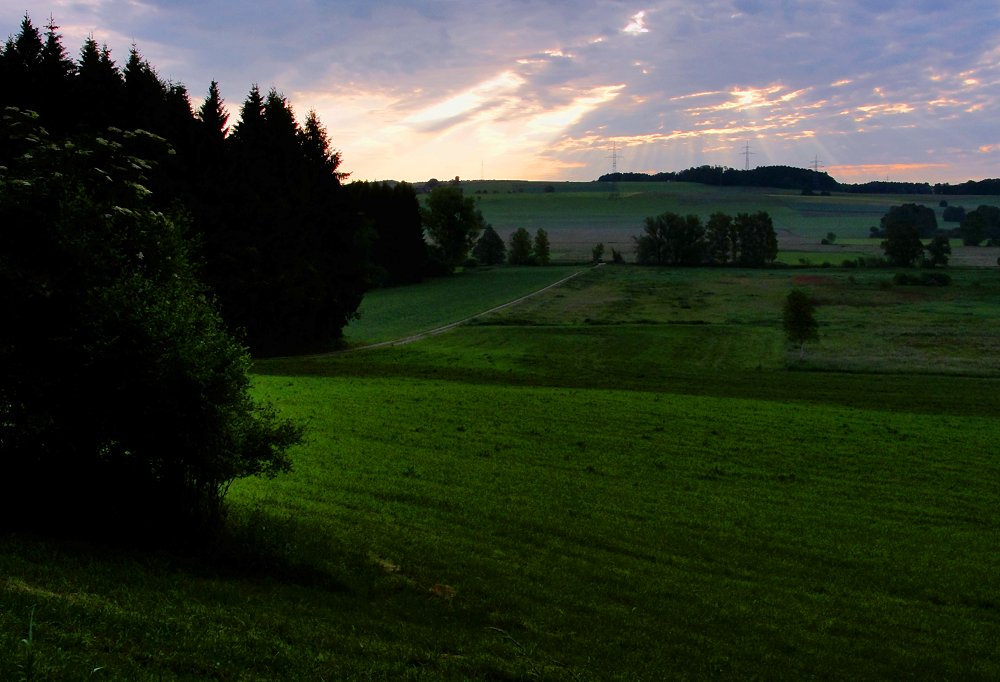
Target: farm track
<point>448,327</point>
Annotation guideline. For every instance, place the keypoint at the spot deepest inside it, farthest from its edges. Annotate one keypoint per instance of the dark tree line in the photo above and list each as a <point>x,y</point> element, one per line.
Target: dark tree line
<point>782,177</point>
<point>887,187</point>
<point>285,247</point>
<point>748,240</point>
<point>142,244</point>
<point>807,180</point>
<point>989,186</point>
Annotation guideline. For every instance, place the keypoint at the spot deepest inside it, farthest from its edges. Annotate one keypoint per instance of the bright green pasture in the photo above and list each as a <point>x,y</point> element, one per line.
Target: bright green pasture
<point>439,529</point>
<point>601,534</point>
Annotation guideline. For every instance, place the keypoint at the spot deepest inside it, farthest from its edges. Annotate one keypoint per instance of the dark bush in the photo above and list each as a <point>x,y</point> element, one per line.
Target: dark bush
<point>125,405</point>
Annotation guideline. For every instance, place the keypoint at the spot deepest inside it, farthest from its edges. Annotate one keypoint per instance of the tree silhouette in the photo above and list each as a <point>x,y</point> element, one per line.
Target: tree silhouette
<point>490,249</point>
<point>540,250</point>
<point>799,320</point>
<point>453,222</point>
<point>519,250</point>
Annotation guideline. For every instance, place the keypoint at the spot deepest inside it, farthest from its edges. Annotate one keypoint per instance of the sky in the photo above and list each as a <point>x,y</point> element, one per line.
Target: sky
<point>904,90</point>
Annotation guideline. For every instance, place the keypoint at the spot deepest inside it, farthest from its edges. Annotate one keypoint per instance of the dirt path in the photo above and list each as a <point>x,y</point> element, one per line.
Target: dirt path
<point>448,327</point>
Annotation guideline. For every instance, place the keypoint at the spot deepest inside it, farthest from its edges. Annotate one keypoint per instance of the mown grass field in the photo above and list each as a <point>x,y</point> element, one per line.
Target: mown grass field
<point>388,314</point>
<point>631,476</point>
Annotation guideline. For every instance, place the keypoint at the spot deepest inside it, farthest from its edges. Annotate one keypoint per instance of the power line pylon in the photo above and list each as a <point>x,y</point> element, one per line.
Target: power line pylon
<point>746,156</point>
<point>614,157</point>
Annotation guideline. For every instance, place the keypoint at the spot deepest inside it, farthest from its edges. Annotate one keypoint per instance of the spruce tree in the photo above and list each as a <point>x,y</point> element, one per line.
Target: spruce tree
<point>21,68</point>
<point>213,116</point>
<point>56,73</point>
<point>145,95</point>
<point>99,91</point>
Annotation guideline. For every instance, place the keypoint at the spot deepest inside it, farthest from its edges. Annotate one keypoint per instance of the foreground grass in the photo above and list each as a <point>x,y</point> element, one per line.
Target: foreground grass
<point>618,479</point>
<point>435,529</point>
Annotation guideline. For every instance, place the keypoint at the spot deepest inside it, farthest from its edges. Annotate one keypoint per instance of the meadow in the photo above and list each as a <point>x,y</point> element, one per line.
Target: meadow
<point>630,476</point>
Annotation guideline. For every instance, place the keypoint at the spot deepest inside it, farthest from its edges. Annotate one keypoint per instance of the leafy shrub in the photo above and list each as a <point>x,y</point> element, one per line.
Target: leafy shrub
<point>124,402</point>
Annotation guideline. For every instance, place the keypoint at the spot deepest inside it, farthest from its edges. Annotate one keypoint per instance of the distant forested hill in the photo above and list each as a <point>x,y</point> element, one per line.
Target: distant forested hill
<point>804,179</point>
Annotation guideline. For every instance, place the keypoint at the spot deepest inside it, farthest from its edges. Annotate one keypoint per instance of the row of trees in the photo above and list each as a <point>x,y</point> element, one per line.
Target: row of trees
<point>528,250</point>
<point>748,240</point>
<point>522,249</point>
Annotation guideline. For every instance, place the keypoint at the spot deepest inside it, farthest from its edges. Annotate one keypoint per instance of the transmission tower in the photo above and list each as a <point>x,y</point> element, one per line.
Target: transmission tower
<point>746,156</point>
<point>816,165</point>
<point>614,157</point>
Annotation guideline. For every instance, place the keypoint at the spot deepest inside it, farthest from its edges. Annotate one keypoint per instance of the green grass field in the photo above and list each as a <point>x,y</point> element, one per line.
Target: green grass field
<point>387,314</point>
<point>630,476</point>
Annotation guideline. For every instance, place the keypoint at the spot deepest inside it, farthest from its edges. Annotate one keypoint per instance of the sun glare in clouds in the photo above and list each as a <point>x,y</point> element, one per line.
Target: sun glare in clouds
<point>467,102</point>
<point>490,128</point>
<point>637,25</point>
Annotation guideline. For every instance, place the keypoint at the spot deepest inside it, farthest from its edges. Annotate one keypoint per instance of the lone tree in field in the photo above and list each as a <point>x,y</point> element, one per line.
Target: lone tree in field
<point>125,404</point>
<point>799,319</point>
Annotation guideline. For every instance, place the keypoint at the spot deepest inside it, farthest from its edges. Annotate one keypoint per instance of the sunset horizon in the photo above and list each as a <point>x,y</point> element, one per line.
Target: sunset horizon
<point>898,91</point>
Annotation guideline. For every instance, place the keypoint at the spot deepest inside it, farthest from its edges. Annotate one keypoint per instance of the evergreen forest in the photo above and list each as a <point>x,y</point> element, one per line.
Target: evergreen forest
<point>285,246</point>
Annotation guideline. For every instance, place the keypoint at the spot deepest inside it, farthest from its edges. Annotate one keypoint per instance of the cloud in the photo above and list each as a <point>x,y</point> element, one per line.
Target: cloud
<point>414,88</point>
<point>637,25</point>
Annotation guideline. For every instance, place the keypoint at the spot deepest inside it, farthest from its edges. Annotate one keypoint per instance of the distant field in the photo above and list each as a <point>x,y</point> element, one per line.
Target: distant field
<point>579,215</point>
